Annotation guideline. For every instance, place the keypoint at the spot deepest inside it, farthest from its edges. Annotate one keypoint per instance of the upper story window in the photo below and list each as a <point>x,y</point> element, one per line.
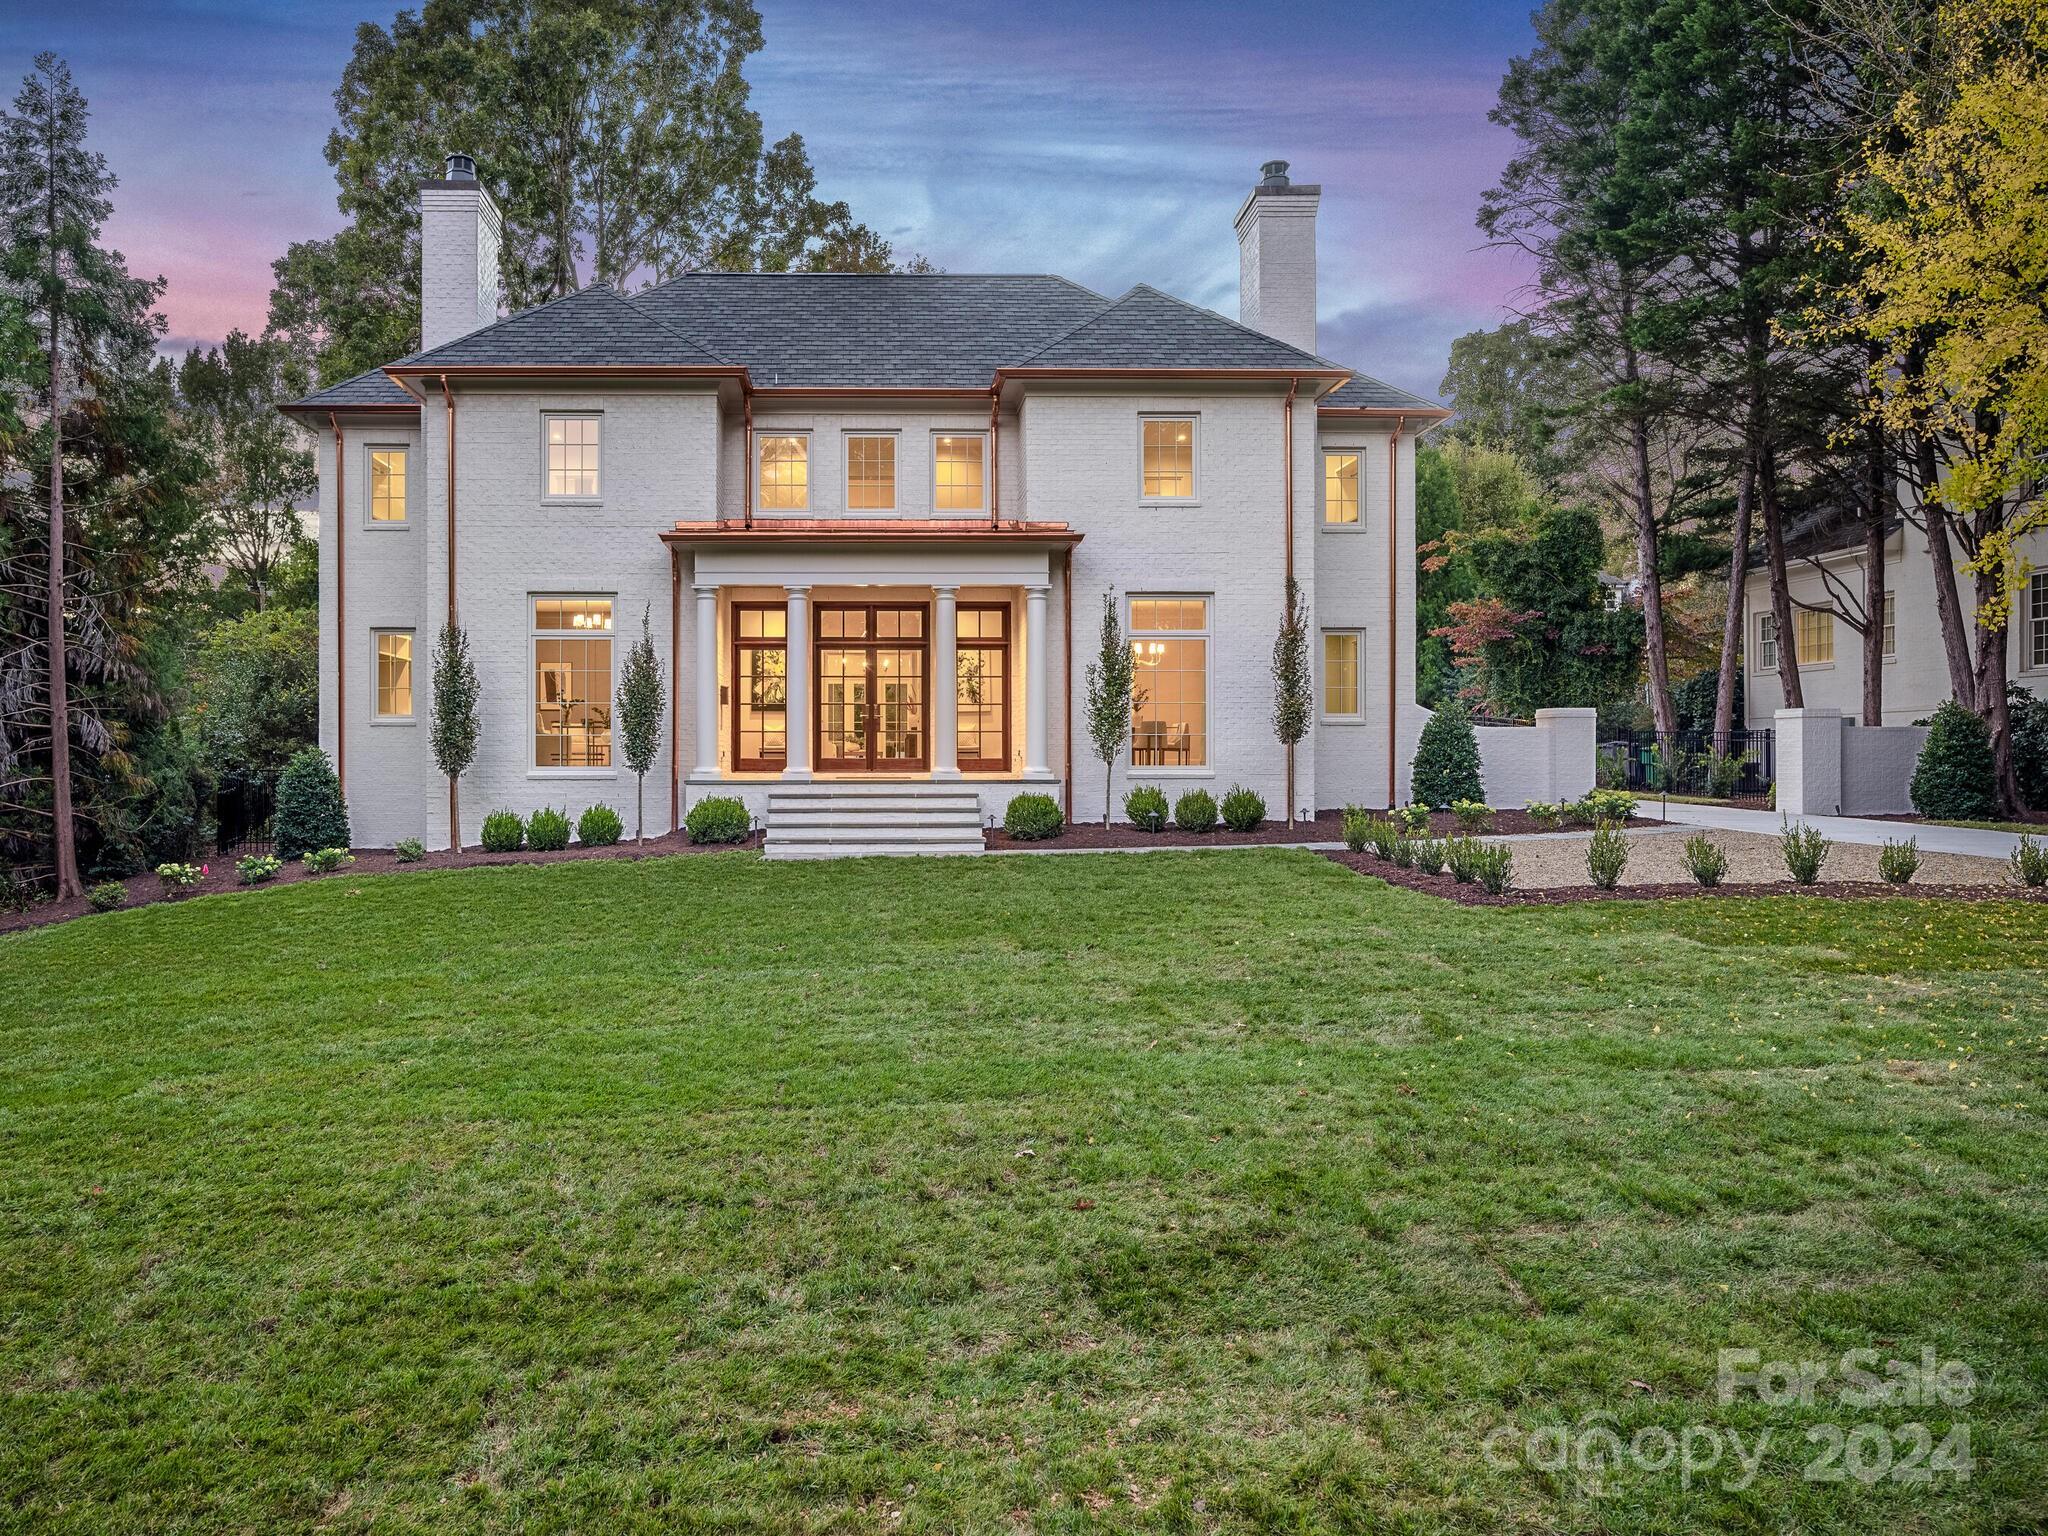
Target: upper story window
<point>959,476</point>
<point>1341,693</point>
<point>1766,642</point>
<point>785,460</point>
<point>1340,488</point>
<point>1169,458</point>
<point>1891,623</point>
<point>387,485</point>
<point>1816,637</point>
<point>394,674</point>
<point>871,473</point>
<point>572,682</point>
<point>572,457</point>
<point>2037,620</point>
<point>1170,698</point>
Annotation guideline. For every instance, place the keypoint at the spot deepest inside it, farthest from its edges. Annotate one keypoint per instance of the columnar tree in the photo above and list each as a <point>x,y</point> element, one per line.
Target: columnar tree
<point>641,700</point>
<point>1111,697</point>
<point>1294,699</point>
<point>456,726</point>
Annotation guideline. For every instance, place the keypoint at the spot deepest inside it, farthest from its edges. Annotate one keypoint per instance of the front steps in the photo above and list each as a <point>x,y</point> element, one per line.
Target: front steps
<point>848,819</point>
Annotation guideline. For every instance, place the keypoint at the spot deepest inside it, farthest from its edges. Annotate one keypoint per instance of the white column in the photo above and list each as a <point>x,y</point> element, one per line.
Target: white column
<point>707,683</point>
<point>1035,679</point>
<point>945,684</point>
<point>796,689</point>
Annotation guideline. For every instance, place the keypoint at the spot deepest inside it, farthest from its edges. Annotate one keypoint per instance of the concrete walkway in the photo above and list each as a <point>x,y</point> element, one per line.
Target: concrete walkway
<point>1845,829</point>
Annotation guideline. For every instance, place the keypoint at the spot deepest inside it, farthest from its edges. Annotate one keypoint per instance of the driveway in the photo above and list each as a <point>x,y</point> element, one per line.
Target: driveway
<point>1844,829</point>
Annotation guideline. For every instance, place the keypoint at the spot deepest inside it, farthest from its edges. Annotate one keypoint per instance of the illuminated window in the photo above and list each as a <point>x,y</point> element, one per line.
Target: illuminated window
<point>760,691</point>
<point>1891,624</point>
<point>1341,696</point>
<point>785,472</point>
<point>394,674</point>
<point>1816,637</point>
<point>1766,643</point>
<point>572,682</point>
<point>572,456</point>
<point>984,687</point>
<point>1340,487</point>
<point>1169,457</point>
<point>1170,696</point>
<point>871,474</point>
<point>2037,621</point>
<point>958,482</point>
<point>387,485</point>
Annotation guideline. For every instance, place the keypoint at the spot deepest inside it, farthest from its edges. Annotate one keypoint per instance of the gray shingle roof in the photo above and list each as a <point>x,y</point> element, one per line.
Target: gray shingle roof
<point>372,388</point>
<point>939,330</point>
<point>1149,329</point>
<point>1363,392</point>
<point>591,327</point>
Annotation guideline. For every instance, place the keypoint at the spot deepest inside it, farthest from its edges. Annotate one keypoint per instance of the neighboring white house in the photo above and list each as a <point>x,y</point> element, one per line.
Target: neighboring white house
<point>825,494</point>
<point>1824,566</point>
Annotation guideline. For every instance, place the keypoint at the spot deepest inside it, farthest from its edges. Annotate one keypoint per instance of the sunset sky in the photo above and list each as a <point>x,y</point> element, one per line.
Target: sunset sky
<point>1110,143</point>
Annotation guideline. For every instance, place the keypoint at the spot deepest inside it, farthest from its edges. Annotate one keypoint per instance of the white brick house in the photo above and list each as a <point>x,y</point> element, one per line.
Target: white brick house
<point>824,491</point>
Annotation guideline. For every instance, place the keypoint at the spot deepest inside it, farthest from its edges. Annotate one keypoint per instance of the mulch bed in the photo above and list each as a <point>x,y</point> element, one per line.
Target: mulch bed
<point>1476,895</point>
<point>146,890</point>
<point>1328,827</point>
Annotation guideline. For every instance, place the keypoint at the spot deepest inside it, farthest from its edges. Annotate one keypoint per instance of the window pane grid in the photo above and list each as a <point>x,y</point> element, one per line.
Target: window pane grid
<point>387,485</point>
<point>2037,602</point>
<point>1169,457</point>
<point>1340,675</point>
<point>870,474</point>
<point>572,674</point>
<point>957,469</point>
<point>1340,487</point>
<point>394,676</point>
<point>1170,694</point>
<point>572,455</point>
<point>785,473</point>
<point>1816,637</point>
<point>1767,643</point>
<point>1891,624</point>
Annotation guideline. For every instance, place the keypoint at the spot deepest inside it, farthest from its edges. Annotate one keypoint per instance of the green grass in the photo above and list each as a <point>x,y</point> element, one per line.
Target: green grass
<point>1182,1192</point>
<point>2038,829</point>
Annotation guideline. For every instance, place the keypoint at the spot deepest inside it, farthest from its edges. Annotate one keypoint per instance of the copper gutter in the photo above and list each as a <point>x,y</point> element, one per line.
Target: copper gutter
<point>995,457</point>
<point>399,373</point>
<point>449,396</point>
<point>1382,412</point>
<point>809,529</point>
<point>675,687</point>
<point>747,484</point>
<point>1336,378</point>
<point>1393,596</point>
<point>1067,670</point>
<point>340,612</point>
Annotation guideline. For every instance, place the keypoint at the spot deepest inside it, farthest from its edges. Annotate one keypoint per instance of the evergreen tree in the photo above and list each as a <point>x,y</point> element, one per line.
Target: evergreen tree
<point>1956,778</point>
<point>456,727</point>
<point>1446,766</point>
<point>1111,697</point>
<point>640,714</point>
<point>310,811</point>
<point>1294,698</point>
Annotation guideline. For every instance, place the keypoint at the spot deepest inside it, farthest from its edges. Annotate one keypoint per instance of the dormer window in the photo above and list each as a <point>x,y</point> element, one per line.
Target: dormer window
<point>785,471</point>
<point>572,444</point>
<point>1169,458</point>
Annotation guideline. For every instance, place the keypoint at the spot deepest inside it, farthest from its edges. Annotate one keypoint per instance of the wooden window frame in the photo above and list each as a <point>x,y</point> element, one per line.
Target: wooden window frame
<point>1001,762</point>
<point>871,642</point>
<point>741,644</point>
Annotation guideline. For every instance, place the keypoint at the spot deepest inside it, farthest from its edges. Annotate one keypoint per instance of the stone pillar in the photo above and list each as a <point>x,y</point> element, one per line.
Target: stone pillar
<point>945,684</point>
<point>796,693</point>
<point>1035,680</point>
<point>1809,743</point>
<point>1571,748</point>
<point>707,683</point>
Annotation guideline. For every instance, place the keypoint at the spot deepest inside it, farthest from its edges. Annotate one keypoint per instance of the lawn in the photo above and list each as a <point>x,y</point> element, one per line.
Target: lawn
<point>1204,1192</point>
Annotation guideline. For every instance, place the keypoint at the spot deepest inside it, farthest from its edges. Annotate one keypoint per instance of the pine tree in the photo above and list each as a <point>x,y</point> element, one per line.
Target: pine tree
<point>456,727</point>
<point>1110,697</point>
<point>640,715</point>
<point>1294,698</point>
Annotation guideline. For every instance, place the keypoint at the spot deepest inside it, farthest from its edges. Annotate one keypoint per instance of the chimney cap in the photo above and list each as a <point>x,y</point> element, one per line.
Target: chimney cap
<point>461,168</point>
<point>1273,174</point>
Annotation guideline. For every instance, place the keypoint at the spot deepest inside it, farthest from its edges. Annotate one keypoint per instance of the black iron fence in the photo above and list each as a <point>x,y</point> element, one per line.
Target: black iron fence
<point>1725,765</point>
<point>243,815</point>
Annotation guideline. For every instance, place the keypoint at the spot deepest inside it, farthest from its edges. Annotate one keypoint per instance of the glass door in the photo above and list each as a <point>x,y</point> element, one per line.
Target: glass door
<point>872,660</point>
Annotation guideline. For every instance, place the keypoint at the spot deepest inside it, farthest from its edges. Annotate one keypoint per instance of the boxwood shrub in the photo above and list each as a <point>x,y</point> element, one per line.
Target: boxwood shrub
<point>1145,807</point>
<point>1243,809</point>
<point>1195,811</point>
<point>718,819</point>
<point>599,827</point>
<point>503,832</point>
<point>1032,818</point>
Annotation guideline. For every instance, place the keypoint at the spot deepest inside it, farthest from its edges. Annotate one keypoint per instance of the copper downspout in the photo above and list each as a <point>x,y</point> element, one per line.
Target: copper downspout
<point>1393,595</point>
<point>1067,670</point>
<point>454,796</point>
<point>747,483</point>
<point>1287,474</point>
<point>995,458</point>
<point>675,687</point>
<point>340,612</point>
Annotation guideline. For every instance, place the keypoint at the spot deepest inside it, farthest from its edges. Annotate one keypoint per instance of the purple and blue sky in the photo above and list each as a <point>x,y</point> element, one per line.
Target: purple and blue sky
<point>1111,143</point>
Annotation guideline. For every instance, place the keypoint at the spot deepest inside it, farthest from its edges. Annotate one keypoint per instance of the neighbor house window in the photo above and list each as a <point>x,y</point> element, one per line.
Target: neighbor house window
<point>871,474</point>
<point>1340,488</point>
<point>1816,637</point>
<point>394,674</point>
<point>1170,697</point>
<point>1891,624</point>
<point>2037,620</point>
<point>785,460</point>
<point>387,485</point>
<point>959,484</point>
<point>572,682</point>
<point>572,443</point>
<point>1766,643</point>
<point>1169,472</point>
<point>1341,696</point>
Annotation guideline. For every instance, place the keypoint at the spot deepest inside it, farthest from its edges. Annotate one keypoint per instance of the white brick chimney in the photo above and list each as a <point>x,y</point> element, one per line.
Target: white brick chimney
<point>459,233</point>
<point>1276,258</point>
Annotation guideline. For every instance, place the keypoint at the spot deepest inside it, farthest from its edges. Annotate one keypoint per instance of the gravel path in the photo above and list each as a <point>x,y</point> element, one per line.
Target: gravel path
<point>1657,858</point>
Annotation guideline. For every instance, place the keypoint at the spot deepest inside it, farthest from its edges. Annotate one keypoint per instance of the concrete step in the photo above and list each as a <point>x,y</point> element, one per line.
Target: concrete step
<point>849,820</point>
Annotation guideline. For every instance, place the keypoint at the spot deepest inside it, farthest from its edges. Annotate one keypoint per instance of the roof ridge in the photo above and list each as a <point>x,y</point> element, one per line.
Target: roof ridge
<point>1239,325</point>
<point>1074,329</point>
<point>589,290</point>
<point>647,314</point>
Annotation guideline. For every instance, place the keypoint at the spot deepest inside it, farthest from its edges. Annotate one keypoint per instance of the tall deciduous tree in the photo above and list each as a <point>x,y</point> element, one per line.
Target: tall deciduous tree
<point>259,467</point>
<point>640,712</point>
<point>1111,678</point>
<point>1294,697</point>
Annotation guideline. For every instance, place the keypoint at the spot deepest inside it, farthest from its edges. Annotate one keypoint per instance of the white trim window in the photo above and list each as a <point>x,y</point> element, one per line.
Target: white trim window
<point>1343,686</point>
<point>871,472</point>
<point>1890,632</point>
<point>1170,694</point>
<point>782,471</point>
<point>572,447</point>
<point>2037,622</point>
<point>960,472</point>
<point>1766,643</point>
<point>1166,448</point>
<point>1340,490</point>
<point>387,483</point>
<point>391,674</point>
<point>572,683</point>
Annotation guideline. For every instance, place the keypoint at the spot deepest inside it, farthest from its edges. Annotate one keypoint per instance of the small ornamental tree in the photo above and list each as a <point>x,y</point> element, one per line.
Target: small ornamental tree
<point>1111,698</point>
<point>1446,764</point>
<point>455,721</point>
<point>1957,777</point>
<point>310,812</point>
<point>640,714</point>
<point>1294,699</point>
